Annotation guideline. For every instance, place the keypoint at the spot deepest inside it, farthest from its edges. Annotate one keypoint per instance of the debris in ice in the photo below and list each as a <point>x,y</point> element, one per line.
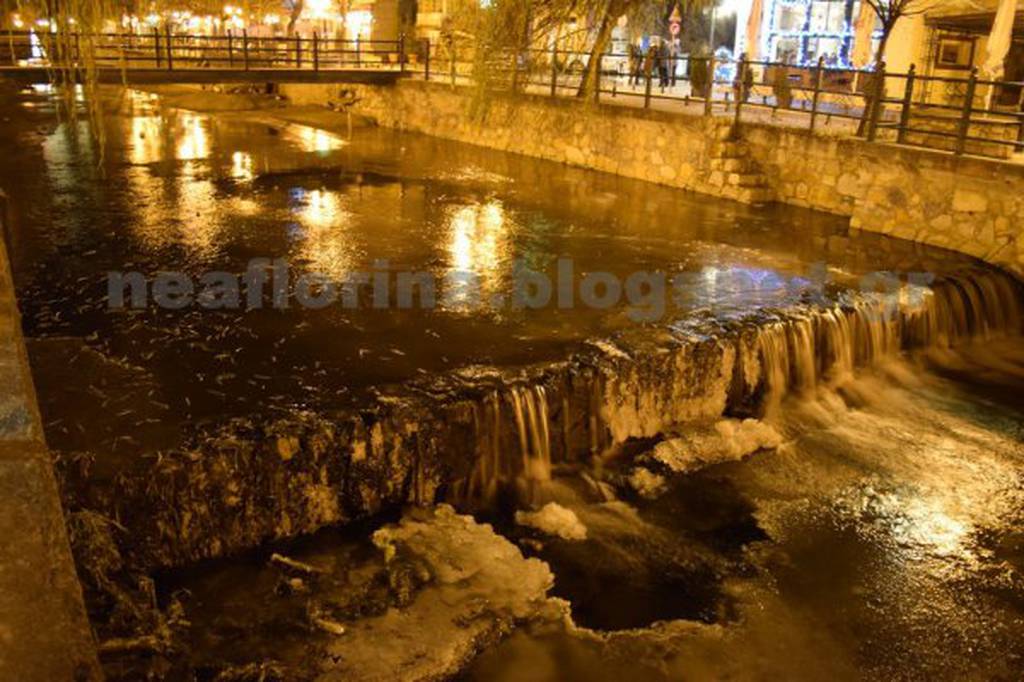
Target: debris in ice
<point>554,519</point>
<point>264,670</point>
<point>292,564</point>
<point>291,586</point>
<point>330,626</point>
<point>646,483</point>
<point>726,441</point>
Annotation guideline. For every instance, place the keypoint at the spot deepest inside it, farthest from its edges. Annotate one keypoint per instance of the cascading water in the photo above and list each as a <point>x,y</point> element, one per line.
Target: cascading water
<point>804,349</point>
<point>497,469</point>
<point>738,369</point>
<point>496,444</point>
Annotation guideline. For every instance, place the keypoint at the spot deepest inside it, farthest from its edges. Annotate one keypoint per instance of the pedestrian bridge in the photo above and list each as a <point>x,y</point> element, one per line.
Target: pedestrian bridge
<point>165,57</point>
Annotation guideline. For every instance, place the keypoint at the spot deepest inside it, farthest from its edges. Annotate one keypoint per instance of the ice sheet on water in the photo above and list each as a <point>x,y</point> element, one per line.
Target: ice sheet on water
<point>479,587</point>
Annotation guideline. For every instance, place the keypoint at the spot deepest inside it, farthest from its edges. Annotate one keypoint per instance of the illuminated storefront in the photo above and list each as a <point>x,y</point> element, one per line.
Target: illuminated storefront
<point>801,31</point>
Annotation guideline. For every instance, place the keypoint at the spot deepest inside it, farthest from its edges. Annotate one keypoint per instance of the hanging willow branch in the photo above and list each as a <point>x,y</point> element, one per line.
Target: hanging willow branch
<point>71,46</point>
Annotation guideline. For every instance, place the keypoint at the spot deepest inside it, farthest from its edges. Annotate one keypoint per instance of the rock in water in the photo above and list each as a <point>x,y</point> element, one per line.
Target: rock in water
<point>480,586</point>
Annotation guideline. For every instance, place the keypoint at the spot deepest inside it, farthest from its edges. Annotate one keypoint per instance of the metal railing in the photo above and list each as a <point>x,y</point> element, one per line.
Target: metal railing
<point>955,114</point>
<point>169,50</point>
<point>968,115</point>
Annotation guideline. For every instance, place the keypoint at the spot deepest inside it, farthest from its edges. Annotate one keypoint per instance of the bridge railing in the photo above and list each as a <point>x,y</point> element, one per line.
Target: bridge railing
<point>169,50</point>
<point>965,114</point>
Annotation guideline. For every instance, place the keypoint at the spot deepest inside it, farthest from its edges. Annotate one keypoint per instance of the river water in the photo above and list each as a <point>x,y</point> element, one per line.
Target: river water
<point>881,540</point>
<point>184,192</point>
<point>865,523</point>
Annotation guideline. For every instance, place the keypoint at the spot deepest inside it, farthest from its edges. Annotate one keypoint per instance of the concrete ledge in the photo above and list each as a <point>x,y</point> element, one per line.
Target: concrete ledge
<point>44,631</point>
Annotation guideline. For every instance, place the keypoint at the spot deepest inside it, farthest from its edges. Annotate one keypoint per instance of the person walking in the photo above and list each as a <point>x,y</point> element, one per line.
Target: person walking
<point>663,57</point>
<point>650,57</point>
<point>673,61</point>
<point>636,61</point>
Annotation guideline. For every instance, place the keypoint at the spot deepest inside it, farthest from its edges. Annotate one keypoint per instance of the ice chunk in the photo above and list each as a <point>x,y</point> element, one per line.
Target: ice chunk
<point>479,587</point>
<point>647,483</point>
<point>727,440</point>
<point>554,519</point>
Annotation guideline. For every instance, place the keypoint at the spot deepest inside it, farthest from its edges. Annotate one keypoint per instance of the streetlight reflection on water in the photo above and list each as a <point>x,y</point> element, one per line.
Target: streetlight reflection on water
<point>479,244</point>
<point>241,166</point>
<point>326,243</point>
<point>316,140</point>
<point>193,139</point>
<point>145,145</point>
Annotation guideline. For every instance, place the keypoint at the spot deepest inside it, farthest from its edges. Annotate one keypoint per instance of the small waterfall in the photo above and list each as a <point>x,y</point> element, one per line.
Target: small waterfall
<point>808,347</point>
<point>531,411</point>
<point>482,439</point>
<point>511,460</point>
<point>651,382</point>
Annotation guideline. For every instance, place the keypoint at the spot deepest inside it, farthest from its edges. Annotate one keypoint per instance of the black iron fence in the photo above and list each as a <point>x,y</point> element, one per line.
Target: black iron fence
<point>964,115</point>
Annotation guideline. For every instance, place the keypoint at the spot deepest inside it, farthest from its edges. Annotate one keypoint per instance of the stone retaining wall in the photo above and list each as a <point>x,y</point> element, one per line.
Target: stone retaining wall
<point>971,205</point>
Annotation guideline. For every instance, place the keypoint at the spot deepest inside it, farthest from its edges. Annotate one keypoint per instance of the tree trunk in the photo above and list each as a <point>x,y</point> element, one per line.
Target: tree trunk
<point>869,99</point>
<point>883,41</point>
<point>521,49</point>
<point>591,78</point>
<point>293,17</point>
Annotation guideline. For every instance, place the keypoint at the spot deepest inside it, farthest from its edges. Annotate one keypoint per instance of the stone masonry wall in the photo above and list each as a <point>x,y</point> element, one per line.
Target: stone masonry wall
<point>967,204</point>
<point>648,145</point>
<point>971,205</point>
